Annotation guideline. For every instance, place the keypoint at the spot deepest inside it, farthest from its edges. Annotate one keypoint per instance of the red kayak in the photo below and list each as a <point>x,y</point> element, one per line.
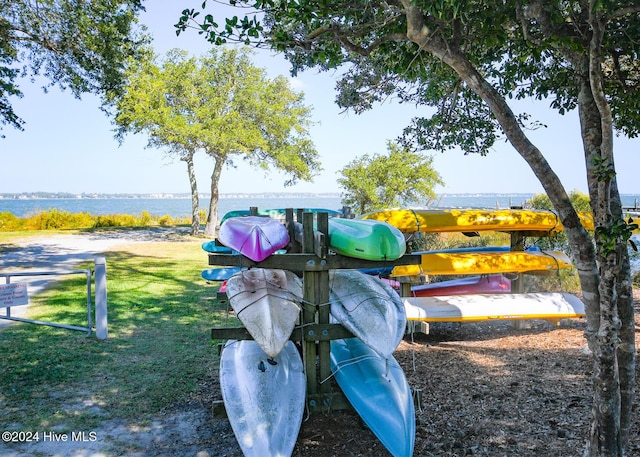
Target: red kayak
<point>486,284</point>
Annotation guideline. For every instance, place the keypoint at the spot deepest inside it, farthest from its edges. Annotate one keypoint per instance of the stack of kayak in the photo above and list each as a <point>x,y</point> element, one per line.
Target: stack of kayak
<point>262,380</point>
<point>364,367</point>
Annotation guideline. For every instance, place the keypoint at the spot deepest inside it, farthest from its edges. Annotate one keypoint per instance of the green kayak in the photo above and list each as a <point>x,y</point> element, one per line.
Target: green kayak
<point>366,239</point>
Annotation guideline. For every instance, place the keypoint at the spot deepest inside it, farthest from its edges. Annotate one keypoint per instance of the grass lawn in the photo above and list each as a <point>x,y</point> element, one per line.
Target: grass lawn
<point>157,355</point>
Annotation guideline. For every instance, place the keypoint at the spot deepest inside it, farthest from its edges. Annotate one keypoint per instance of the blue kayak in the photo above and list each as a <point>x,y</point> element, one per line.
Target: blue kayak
<point>213,247</point>
<point>220,274</point>
<point>378,390</point>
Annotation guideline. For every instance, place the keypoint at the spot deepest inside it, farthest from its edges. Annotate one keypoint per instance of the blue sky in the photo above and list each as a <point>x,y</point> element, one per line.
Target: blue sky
<point>68,144</point>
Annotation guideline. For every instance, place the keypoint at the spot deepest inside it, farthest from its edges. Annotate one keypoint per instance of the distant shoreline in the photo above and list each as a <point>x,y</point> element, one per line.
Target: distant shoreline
<point>96,196</point>
<point>67,195</point>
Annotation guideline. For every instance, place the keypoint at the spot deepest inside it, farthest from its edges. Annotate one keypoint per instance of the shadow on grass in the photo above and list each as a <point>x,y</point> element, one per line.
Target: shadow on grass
<point>158,352</point>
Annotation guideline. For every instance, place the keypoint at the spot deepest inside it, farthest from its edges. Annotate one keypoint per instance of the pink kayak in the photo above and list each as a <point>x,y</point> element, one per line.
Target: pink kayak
<point>253,236</point>
<point>491,284</point>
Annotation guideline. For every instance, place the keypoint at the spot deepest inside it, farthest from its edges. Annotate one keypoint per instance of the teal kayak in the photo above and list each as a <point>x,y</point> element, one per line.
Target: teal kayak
<point>277,213</point>
<point>379,392</point>
<point>366,239</point>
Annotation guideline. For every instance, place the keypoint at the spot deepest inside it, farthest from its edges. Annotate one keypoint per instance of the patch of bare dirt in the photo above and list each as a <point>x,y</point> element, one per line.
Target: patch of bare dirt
<point>485,389</point>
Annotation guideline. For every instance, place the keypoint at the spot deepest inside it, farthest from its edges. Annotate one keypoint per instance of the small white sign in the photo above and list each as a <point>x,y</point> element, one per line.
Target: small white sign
<point>13,294</point>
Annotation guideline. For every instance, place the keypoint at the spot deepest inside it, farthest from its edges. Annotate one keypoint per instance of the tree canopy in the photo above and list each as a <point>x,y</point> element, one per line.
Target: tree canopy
<point>79,46</point>
<point>224,106</point>
<point>388,180</point>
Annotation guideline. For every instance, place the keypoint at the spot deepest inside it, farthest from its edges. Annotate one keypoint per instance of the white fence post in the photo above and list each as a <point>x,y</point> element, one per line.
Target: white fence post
<point>101,297</point>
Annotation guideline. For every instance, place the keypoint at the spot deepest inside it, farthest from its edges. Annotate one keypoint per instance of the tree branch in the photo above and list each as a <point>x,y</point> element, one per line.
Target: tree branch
<point>635,9</point>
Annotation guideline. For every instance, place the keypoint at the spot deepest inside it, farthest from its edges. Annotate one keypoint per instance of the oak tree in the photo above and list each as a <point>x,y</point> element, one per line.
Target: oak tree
<point>379,181</point>
<point>223,105</point>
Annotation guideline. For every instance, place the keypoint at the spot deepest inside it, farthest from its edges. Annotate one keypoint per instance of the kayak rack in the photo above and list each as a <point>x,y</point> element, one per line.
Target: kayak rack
<point>308,255</point>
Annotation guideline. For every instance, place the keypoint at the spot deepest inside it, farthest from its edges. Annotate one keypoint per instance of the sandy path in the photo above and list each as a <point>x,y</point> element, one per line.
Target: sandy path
<point>63,253</point>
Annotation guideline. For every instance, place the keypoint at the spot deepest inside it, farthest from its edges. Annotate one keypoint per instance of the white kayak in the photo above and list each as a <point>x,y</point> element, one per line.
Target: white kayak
<point>368,308</point>
<point>481,307</point>
<point>264,397</point>
<point>267,303</point>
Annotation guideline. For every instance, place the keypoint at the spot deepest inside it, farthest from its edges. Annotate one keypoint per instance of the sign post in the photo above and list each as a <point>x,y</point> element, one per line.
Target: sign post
<point>101,297</point>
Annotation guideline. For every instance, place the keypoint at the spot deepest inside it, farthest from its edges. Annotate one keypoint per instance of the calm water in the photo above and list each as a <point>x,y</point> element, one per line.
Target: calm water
<point>176,207</point>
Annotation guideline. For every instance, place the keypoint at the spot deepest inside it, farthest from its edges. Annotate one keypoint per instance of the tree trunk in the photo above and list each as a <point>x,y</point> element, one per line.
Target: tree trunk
<point>606,284</point>
<point>195,202</point>
<point>212,217</point>
<point>613,341</point>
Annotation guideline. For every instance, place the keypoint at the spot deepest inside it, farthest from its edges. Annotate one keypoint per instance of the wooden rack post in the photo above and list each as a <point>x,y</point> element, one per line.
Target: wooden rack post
<point>313,261</point>
<point>517,244</point>
<point>316,294</point>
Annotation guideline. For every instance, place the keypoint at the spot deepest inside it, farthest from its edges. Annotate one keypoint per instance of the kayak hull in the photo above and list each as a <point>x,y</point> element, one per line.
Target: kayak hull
<point>267,303</point>
<point>220,274</point>
<point>264,398</point>
<point>213,247</point>
<point>469,220</point>
<point>483,307</point>
<point>363,239</point>
<point>368,308</point>
<point>490,284</point>
<point>253,236</point>
<point>378,390</point>
<point>461,263</point>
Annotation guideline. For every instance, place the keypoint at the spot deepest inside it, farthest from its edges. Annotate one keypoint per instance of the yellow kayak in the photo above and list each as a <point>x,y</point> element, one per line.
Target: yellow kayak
<point>471,220</point>
<point>462,263</point>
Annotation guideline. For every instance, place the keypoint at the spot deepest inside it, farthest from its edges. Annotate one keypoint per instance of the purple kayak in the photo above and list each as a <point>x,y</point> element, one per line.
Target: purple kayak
<point>254,237</point>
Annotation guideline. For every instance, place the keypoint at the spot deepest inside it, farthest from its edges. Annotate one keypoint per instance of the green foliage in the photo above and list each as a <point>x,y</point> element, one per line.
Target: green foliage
<point>54,219</point>
<point>579,200</point>
<point>383,181</point>
<point>165,220</point>
<point>57,219</point>
<point>220,104</point>
<point>115,220</point>
<point>79,46</point>
<point>145,217</point>
<point>223,105</point>
<point>438,241</point>
<point>9,222</point>
<point>382,60</point>
<point>565,280</point>
<point>603,169</point>
<point>609,237</point>
<point>617,233</point>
